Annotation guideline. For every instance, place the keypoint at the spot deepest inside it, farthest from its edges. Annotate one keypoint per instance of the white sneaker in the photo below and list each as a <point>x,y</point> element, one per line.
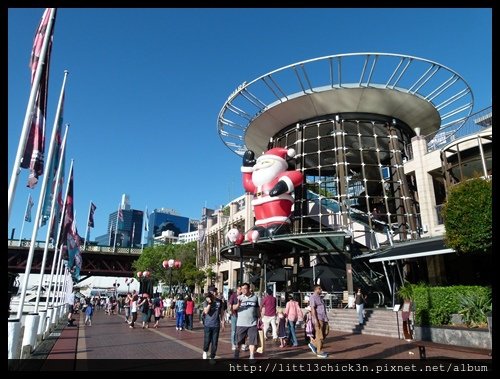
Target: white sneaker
<point>244,347</point>
<point>204,355</point>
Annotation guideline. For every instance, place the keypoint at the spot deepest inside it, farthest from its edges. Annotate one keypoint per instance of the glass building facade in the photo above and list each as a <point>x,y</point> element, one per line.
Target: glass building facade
<point>161,220</point>
<point>128,232</point>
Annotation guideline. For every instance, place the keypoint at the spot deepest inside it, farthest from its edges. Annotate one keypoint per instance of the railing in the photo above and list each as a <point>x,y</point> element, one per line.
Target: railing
<point>94,249</point>
<point>331,299</point>
<point>474,123</point>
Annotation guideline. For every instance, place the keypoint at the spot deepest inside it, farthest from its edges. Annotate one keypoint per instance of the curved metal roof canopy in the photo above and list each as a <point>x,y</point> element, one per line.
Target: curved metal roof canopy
<point>417,91</point>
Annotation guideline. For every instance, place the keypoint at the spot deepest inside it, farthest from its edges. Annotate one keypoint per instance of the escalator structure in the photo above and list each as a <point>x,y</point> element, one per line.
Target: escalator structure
<point>368,235</point>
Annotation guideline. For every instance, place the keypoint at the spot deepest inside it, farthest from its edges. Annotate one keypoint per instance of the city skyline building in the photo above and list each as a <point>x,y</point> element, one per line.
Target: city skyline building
<point>162,220</point>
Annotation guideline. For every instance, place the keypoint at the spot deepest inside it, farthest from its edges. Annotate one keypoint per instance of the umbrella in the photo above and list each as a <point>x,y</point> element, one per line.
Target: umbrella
<point>279,274</point>
<point>323,272</point>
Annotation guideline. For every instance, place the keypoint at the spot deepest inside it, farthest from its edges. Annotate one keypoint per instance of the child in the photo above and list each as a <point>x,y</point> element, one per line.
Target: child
<point>309,327</point>
<point>282,328</point>
<point>89,311</point>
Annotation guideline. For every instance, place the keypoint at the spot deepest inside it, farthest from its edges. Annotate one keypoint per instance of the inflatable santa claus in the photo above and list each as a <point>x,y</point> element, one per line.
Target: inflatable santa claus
<point>272,183</point>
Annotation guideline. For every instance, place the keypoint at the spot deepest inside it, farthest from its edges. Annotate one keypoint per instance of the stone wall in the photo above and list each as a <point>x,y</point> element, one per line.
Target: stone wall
<point>479,338</point>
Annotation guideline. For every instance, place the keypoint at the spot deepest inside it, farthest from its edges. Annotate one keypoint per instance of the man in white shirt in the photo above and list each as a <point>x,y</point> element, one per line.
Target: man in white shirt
<point>70,301</point>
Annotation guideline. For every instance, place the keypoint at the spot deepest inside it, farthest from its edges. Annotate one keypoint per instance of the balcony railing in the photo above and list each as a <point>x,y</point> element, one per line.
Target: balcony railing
<point>475,123</point>
<point>95,249</point>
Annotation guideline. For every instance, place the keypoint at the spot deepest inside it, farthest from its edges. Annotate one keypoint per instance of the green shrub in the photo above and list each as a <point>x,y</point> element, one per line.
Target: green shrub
<point>474,308</point>
<point>467,216</point>
<point>435,305</point>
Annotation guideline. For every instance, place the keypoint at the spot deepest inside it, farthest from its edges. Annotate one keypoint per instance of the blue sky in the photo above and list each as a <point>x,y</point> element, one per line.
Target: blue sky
<point>145,87</point>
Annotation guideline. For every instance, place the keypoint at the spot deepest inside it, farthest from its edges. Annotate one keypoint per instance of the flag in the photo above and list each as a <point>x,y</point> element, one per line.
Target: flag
<point>59,200</point>
<point>27,216</point>
<point>74,255</point>
<point>146,224</point>
<point>72,238</point>
<point>38,42</point>
<point>68,216</point>
<point>52,175</point>
<point>91,215</point>
<point>33,156</point>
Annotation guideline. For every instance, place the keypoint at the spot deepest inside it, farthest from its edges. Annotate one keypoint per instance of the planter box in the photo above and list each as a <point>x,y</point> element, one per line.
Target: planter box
<point>468,337</point>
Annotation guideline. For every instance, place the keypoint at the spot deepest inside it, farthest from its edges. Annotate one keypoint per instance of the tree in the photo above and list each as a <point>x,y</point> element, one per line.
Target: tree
<point>152,259</point>
<point>467,216</point>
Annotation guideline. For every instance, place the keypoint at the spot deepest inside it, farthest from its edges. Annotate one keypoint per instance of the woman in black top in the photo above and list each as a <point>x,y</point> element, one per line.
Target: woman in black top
<point>360,306</point>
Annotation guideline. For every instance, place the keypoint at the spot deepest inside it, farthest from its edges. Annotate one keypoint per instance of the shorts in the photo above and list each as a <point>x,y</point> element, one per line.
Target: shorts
<point>246,331</point>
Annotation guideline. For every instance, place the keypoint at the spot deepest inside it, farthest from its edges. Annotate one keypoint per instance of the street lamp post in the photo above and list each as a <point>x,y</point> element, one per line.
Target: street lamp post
<point>128,282</point>
<point>116,285</point>
<point>145,282</point>
<point>171,264</point>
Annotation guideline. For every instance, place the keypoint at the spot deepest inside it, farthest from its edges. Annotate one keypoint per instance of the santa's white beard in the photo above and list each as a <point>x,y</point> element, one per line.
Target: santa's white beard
<point>266,174</point>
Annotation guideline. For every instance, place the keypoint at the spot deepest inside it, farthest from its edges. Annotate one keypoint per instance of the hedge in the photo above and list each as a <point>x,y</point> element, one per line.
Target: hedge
<point>435,305</point>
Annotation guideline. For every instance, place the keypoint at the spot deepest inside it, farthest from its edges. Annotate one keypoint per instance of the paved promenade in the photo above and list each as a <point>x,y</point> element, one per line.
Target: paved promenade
<point>110,338</point>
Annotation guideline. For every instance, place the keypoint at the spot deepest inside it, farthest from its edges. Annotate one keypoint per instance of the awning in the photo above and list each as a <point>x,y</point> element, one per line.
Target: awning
<point>284,246</point>
<point>413,249</point>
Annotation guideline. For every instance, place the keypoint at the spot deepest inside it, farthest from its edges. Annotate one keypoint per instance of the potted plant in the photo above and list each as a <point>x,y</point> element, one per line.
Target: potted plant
<point>406,291</point>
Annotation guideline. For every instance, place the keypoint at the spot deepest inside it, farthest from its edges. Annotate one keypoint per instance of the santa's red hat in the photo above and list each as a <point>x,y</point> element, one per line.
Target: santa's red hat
<point>279,154</point>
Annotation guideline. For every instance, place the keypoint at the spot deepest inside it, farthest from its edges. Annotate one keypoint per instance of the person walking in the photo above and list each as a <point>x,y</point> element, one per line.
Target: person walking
<point>189,312</point>
<point>157,309</point>
<point>233,299</point>
<point>89,311</point>
<point>293,313</point>
<point>214,321</point>
<point>360,302</point>
<point>145,305</point>
<point>246,325</point>
<point>179,313</point>
<point>133,309</point>
<point>126,306</point>
<point>320,321</point>
<point>269,313</point>
<point>70,301</point>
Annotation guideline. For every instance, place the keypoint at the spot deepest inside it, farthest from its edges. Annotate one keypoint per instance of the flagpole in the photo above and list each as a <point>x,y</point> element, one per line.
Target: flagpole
<point>52,216</point>
<point>116,226</point>
<point>31,253</point>
<point>28,116</point>
<point>24,219</point>
<point>87,230</point>
<point>57,250</point>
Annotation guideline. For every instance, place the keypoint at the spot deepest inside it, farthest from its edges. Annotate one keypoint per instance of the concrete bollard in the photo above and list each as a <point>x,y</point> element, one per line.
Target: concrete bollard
<point>14,339</point>
<point>62,311</point>
<point>48,326</point>
<point>54,319</point>
<point>29,336</point>
<point>41,327</point>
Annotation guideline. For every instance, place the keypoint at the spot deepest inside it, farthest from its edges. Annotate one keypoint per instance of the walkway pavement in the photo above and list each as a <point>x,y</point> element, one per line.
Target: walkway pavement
<point>110,338</point>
